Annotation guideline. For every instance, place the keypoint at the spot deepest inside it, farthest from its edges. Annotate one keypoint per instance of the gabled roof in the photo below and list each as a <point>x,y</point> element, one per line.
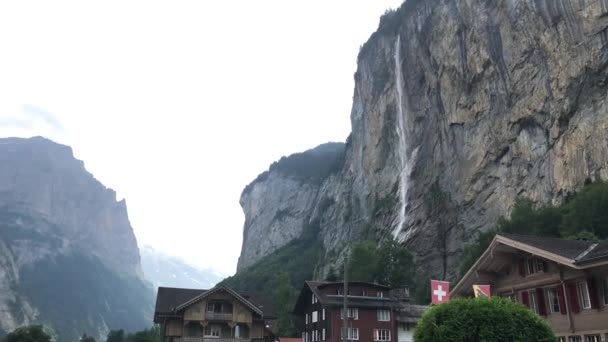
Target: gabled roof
<point>167,298</point>
<point>575,254</point>
<point>218,288</point>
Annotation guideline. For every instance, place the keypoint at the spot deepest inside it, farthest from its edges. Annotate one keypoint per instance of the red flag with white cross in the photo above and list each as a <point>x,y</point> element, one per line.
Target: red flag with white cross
<point>440,291</point>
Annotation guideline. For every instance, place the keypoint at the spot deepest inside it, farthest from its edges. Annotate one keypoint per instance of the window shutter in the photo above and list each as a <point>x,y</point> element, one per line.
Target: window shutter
<point>522,268</point>
<point>562,300</point>
<point>525,298</point>
<point>593,293</point>
<point>540,297</point>
<point>573,296</point>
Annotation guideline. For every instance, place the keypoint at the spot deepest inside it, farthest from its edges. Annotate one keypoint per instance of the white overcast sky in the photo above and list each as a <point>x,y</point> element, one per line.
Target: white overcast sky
<point>177,105</point>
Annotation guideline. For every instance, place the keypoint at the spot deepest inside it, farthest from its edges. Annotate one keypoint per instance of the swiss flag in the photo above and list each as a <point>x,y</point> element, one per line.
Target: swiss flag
<point>440,291</point>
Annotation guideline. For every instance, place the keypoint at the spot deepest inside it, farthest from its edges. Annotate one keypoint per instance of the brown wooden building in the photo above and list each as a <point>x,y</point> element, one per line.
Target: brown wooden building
<point>216,315</point>
<point>564,281</point>
<point>375,313</point>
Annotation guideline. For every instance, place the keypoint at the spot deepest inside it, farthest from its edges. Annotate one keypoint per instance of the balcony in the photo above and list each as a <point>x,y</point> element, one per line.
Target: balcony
<point>219,316</point>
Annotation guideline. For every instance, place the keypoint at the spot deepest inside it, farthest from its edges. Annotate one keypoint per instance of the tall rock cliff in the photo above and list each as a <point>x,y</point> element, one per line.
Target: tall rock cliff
<point>68,255</point>
<point>459,107</point>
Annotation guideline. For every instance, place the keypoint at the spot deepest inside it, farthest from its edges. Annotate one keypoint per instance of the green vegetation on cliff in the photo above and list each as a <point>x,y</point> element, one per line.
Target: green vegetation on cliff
<point>583,216</point>
<point>313,165</point>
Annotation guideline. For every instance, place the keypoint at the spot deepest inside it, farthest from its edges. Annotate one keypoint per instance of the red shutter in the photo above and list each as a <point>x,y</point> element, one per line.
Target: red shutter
<point>525,298</point>
<point>540,297</point>
<point>562,299</point>
<point>573,296</point>
<point>593,293</point>
<point>522,268</point>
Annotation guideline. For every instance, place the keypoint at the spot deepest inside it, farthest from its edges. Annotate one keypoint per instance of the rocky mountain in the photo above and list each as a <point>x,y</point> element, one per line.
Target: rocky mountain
<point>68,255</point>
<point>169,271</point>
<point>459,108</point>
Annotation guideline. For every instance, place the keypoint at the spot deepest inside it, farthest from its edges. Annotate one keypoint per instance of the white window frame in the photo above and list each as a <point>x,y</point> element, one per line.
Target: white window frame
<point>533,300</point>
<point>582,291</point>
<point>314,336</point>
<point>353,313</point>
<point>383,315</point>
<point>552,294</point>
<point>575,339</point>
<point>593,338</point>
<point>303,336</point>
<point>314,298</point>
<point>323,334</point>
<point>561,339</point>
<point>352,334</point>
<point>604,289</point>
<point>323,313</point>
<point>535,265</point>
<point>339,292</point>
<point>380,294</point>
<point>306,320</point>
<point>364,293</point>
<point>315,317</point>
<point>213,328</point>
<point>382,335</point>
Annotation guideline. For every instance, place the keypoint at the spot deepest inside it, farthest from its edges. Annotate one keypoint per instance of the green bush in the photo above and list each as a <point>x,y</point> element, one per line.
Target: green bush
<point>482,319</point>
<point>32,333</point>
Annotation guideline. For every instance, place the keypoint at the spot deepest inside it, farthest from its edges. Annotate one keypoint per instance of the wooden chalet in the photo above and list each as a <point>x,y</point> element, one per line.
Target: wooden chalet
<point>564,281</point>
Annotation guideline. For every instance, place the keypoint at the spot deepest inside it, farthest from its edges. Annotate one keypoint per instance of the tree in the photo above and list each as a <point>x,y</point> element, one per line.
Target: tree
<point>481,319</point>
<point>147,335</point>
<point>32,333</point>
<point>86,338</point>
<point>363,263</point>
<point>284,298</point>
<point>116,336</point>
<point>395,265</point>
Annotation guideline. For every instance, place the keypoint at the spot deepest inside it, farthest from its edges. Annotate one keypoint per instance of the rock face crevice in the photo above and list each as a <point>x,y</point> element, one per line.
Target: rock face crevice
<point>500,99</point>
<point>65,237</point>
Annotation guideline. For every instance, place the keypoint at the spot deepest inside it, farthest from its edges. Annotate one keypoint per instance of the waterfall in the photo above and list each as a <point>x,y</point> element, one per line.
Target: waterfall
<point>402,135</point>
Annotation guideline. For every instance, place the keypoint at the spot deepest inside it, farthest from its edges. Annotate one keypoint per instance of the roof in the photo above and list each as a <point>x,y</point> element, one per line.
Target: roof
<point>337,300</point>
<point>169,300</point>
<point>575,254</point>
<point>567,248</point>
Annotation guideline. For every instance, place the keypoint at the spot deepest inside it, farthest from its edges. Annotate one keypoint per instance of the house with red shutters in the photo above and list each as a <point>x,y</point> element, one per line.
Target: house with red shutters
<point>563,281</point>
<point>375,312</point>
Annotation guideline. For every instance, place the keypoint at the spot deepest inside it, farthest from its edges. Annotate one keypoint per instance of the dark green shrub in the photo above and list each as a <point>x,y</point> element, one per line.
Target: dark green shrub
<point>32,333</point>
<point>482,319</point>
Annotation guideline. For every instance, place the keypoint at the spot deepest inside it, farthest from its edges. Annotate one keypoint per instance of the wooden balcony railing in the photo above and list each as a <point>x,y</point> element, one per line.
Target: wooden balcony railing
<point>215,316</point>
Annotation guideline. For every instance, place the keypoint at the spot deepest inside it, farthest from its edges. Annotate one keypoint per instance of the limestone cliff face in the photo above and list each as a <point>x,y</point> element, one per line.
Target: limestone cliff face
<point>461,106</point>
<point>59,225</point>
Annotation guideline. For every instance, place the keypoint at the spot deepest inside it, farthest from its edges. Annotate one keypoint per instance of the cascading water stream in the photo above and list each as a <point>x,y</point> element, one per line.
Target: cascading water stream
<point>402,147</point>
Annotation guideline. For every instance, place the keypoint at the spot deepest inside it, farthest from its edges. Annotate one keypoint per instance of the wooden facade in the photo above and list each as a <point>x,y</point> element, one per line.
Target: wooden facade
<point>551,277</point>
<point>216,315</point>
<point>373,313</point>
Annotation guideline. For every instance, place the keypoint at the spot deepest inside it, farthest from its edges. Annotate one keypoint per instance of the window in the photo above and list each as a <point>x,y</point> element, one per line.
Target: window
<point>561,339</point>
<point>323,334</point>
<point>384,315</point>
<point>364,293</point>
<point>314,335</point>
<point>315,316</point>
<point>604,289</point>
<point>575,339</point>
<point>553,300</point>
<point>213,330</point>
<point>535,265</point>
<point>314,299</point>
<point>533,301</point>
<point>583,294</point>
<point>323,313</point>
<point>304,337</point>
<point>380,294</point>
<point>353,333</point>
<point>593,338</point>
<point>339,291</point>
<point>382,335</point>
<point>306,318</point>
<point>353,313</point>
